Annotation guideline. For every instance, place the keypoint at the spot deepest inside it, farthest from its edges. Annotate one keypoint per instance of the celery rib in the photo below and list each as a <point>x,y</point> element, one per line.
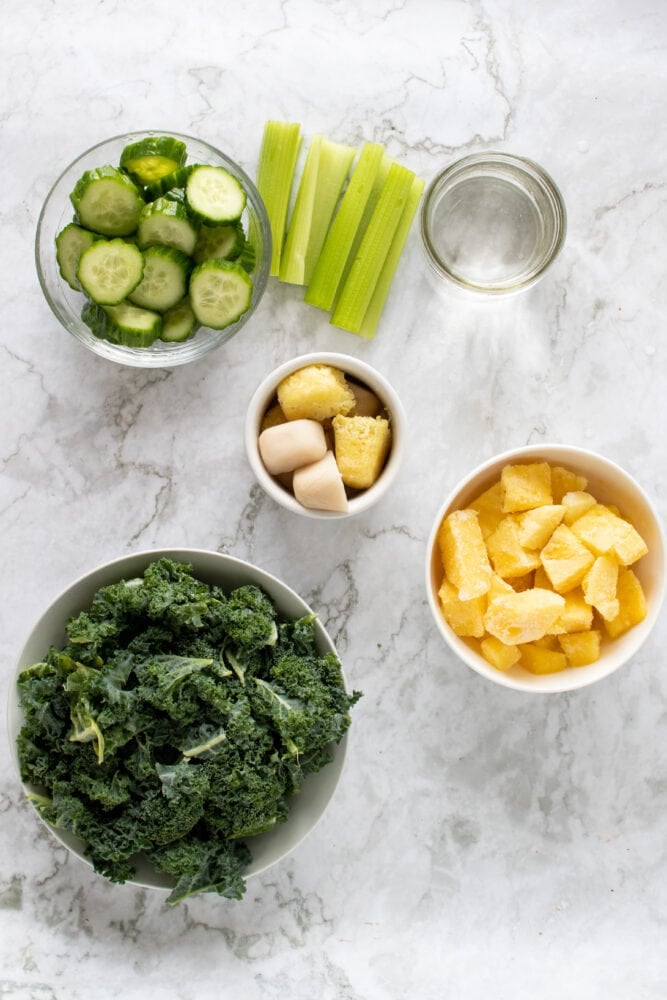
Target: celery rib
<point>363,276</point>
<point>376,305</point>
<point>279,150</point>
<point>332,261</point>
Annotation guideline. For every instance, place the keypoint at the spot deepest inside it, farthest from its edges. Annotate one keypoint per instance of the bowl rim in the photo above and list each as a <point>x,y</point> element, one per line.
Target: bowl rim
<point>573,678</point>
<point>358,369</point>
<point>111,571</point>
<point>174,354</point>
<point>525,165</point>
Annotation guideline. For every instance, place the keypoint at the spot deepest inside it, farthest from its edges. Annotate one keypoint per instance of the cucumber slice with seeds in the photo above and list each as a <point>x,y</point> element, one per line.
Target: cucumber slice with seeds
<point>179,323</point>
<point>109,270</point>
<point>164,281</point>
<point>214,195</point>
<point>107,201</point>
<point>123,324</point>
<point>168,223</point>
<point>220,292</point>
<point>147,160</point>
<point>70,244</point>
<point>219,241</point>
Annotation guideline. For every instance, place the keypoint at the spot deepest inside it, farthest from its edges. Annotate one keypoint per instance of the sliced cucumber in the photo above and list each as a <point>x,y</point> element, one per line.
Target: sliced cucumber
<point>123,324</point>
<point>70,244</point>
<point>248,257</point>
<point>150,159</point>
<point>159,187</point>
<point>219,241</point>
<point>179,323</point>
<point>168,223</point>
<point>107,201</point>
<point>164,281</point>
<point>214,195</point>
<point>109,270</point>
<point>220,292</point>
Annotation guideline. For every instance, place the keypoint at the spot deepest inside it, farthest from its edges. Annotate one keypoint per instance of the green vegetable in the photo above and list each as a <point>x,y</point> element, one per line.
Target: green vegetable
<point>149,160</point>
<point>124,324</point>
<point>324,174</point>
<point>165,279</point>
<point>70,244</point>
<point>214,196</point>
<point>220,292</point>
<point>278,154</point>
<point>107,201</point>
<point>109,270</point>
<point>179,323</point>
<point>176,722</point>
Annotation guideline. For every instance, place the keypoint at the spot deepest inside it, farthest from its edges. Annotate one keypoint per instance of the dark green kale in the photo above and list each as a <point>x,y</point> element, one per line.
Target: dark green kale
<point>175,723</point>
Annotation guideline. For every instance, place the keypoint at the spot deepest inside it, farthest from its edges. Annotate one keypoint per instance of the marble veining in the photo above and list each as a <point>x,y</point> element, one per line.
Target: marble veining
<point>482,844</point>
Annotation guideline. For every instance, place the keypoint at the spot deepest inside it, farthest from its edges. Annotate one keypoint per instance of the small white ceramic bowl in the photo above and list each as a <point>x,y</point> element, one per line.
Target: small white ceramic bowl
<point>608,483</point>
<point>306,808</point>
<point>265,395</point>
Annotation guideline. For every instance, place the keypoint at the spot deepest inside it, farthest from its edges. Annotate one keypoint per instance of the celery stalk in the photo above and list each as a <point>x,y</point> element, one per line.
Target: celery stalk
<point>281,142</point>
<point>340,237</point>
<point>293,260</point>
<point>379,297</point>
<point>357,292</point>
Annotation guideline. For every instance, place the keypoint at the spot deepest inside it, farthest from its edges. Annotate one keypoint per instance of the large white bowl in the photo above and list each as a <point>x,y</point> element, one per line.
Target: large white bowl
<point>306,808</point>
<point>66,303</point>
<point>609,484</point>
<point>265,395</point>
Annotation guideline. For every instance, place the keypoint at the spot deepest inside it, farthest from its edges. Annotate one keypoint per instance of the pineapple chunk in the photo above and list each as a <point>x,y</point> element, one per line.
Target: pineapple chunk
<point>499,655</point>
<point>581,648</point>
<point>508,556</point>
<point>537,526</point>
<point>632,604</point>
<point>565,481</point>
<point>362,445</point>
<point>605,533</point>
<point>518,618</point>
<point>599,586</point>
<point>565,559</point>
<point>526,486</point>
<point>464,554</point>
<point>541,660</point>
<point>576,503</point>
<point>315,392</point>
<point>576,616</point>
<point>489,506</point>
<point>465,618</point>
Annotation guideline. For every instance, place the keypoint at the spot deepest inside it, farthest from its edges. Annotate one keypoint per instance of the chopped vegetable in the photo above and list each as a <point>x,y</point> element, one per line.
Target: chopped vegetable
<point>281,142</point>
<point>177,722</point>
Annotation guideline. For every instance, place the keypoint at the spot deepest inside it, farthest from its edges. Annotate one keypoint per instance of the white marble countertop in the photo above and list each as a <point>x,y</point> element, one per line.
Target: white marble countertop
<point>483,843</point>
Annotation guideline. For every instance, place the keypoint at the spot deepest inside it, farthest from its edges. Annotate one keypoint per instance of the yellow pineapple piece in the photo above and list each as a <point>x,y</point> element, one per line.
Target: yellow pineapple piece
<point>605,533</point>
<point>489,506</point>
<point>508,556</point>
<point>576,616</point>
<point>632,604</point>
<point>565,559</point>
<point>361,445</point>
<point>526,486</point>
<point>315,392</point>
<point>576,503</point>
<point>565,481</point>
<point>499,655</point>
<point>581,648</point>
<point>542,660</point>
<point>273,417</point>
<point>464,555</point>
<point>518,618</point>
<point>465,618</point>
<point>599,586</point>
<point>537,526</point>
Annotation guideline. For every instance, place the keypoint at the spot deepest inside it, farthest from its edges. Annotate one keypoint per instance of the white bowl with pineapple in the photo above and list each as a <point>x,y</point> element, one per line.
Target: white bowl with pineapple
<point>324,435</point>
<point>545,568</point>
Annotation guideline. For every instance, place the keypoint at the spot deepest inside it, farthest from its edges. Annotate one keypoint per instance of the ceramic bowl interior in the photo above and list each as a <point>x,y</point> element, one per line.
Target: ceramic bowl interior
<point>306,808</point>
<point>265,395</point>
<point>609,484</point>
<point>66,303</point>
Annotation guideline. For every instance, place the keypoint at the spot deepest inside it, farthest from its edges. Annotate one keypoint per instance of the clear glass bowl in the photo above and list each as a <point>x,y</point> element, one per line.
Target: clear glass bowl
<point>492,222</point>
<point>67,303</point>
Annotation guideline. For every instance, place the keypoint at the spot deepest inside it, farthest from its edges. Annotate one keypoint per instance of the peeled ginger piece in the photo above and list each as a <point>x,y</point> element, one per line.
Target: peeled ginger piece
<point>319,485</point>
<point>285,447</point>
